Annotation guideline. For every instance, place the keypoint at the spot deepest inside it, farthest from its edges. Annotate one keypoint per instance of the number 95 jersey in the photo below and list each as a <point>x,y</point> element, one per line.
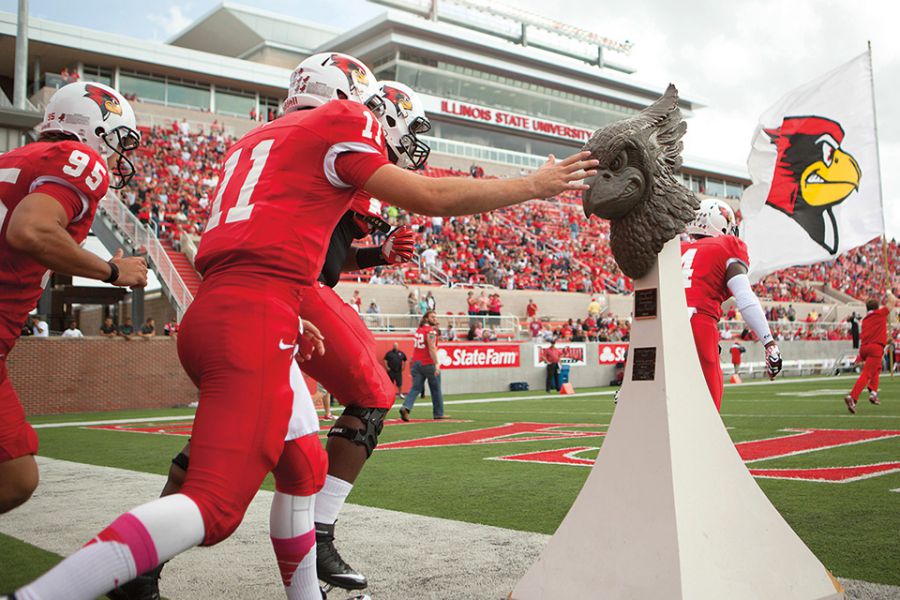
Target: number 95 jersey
<point>73,174</point>
<point>284,187</point>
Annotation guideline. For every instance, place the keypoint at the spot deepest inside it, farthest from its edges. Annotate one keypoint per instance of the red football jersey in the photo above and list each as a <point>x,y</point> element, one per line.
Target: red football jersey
<point>703,265</point>
<point>283,188</point>
<point>76,176</point>
<point>874,327</point>
<point>420,344</point>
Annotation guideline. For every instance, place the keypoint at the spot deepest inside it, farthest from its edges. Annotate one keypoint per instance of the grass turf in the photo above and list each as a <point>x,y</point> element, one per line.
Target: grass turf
<point>852,527</point>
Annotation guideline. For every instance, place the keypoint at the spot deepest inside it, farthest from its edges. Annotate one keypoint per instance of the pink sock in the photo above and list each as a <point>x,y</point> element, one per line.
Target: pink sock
<point>133,544</point>
<point>294,541</point>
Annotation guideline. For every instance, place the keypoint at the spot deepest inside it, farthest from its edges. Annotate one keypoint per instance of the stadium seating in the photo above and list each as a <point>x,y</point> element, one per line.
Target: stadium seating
<point>540,245</point>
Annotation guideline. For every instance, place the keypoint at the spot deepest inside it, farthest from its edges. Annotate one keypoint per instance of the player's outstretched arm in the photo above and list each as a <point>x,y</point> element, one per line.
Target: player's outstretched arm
<point>37,228</point>
<point>753,314</point>
<point>450,196</point>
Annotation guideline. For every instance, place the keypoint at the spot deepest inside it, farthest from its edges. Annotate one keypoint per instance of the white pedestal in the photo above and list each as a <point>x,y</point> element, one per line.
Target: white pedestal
<point>669,511</point>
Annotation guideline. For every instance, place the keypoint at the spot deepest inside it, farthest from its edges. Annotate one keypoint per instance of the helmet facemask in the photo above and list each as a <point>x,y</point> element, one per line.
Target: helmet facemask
<point>403,121</point>
<point>120,141</point>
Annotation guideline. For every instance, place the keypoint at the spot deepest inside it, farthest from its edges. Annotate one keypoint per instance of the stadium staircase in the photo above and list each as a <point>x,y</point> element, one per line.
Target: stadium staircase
<point>184,267</point>
<point>116,228</point>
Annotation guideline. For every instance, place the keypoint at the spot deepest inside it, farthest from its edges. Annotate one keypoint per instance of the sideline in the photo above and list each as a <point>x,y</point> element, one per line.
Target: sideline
<point>468,401</point>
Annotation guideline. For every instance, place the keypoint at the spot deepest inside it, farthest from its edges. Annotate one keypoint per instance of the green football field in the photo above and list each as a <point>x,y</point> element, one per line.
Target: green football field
<point>518,461</point>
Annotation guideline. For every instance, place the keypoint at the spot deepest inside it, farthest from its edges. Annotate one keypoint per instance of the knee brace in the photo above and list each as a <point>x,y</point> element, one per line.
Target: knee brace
<point>373,418</point>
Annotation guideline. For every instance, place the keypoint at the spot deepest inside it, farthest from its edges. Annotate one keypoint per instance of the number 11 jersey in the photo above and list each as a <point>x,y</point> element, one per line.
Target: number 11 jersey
<point>283,188</point>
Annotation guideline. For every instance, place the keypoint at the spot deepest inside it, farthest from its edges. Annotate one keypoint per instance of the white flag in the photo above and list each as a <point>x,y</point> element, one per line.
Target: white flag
<point>816,189</point>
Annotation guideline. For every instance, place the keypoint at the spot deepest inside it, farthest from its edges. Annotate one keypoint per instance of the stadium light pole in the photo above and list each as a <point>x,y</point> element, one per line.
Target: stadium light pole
<point>20,80</point>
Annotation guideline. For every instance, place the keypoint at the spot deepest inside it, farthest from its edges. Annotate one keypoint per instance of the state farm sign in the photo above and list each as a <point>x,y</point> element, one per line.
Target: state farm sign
<point>478,356</point>
<point>610,354</point>
<point>502,118</point>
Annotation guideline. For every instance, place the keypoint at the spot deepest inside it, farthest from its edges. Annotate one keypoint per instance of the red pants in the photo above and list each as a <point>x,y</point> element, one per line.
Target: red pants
<point>349,369</point>
<point>237,344</point>
<point>17,438</point>
<point>706,338</point>
<point>871,355</point>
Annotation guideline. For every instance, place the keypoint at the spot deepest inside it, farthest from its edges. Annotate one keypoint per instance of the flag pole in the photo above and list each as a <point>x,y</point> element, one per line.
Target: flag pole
<point>884,267</point>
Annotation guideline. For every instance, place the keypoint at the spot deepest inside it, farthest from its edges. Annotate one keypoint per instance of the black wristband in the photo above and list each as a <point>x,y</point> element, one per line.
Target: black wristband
<point>370,257</point>
<point>113,272</point>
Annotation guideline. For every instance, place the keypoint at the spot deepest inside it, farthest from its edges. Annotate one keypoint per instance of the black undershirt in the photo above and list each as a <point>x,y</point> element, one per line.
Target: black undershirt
<point>338,248</point>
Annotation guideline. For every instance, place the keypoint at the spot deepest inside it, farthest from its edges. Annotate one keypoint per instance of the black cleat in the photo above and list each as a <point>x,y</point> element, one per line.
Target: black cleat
<point>142,587</point>
<point>330,567</point>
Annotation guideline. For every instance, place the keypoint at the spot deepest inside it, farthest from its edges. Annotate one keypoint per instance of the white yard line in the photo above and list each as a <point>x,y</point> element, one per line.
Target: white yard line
<point>112,422</point>
<point>489,401</point>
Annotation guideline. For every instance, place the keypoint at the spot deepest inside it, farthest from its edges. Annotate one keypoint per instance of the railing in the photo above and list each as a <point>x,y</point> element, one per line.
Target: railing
<point>504,325</point>
<point>789,328</point>
<point>142,239</point>
<point>484,153</point>
<point>188,246</point>
<point>432,271</point>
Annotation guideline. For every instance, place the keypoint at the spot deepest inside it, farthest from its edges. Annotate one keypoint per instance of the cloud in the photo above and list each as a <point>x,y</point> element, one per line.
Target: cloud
<point>739,58</point>
<point>172,20</point>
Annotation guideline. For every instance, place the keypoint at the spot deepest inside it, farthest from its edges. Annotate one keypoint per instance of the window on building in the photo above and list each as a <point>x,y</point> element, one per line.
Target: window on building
<point>715,187</point>
<point>97,73</point>
<point>235,103</point>
<point>269,107</point>
<point>187,95</point>
<point>733,190</point>
<point>146,87</point>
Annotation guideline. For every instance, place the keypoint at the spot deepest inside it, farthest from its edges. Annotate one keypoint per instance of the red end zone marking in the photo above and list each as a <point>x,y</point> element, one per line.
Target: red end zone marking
<point>829,474</point>
<point>803,442</point>
<point>563,456</point>
<point>177,428</point>
<point>498,435</point>
<point>184,428</point>
<point>807,440</point>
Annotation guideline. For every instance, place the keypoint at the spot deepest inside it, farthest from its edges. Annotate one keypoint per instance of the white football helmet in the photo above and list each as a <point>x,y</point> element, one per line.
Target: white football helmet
<point>403,120</point>
<point>101,118</point>
<point>713,218</point>
<point>332,76</point>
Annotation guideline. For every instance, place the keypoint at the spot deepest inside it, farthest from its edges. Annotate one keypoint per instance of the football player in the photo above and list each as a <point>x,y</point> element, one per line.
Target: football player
<point>282,191</point>
<point>49,192</point>
<point>349,369</point>
<point>714,266</point>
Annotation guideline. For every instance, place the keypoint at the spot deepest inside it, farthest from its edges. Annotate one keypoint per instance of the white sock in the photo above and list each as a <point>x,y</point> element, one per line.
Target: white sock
<point>293,537</point>
<point>330,499</point>
<point>133,544</point>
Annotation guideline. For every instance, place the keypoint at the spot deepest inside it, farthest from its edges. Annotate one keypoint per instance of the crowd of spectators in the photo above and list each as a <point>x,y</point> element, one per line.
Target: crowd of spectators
<point>540,245</point>
<point>177,173</point>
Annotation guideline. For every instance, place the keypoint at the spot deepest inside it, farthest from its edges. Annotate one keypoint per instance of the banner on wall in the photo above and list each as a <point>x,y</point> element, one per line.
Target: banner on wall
<point>503,118</point>
<point>611,354</point>
<point>573,354</point>
<point>478,356</point>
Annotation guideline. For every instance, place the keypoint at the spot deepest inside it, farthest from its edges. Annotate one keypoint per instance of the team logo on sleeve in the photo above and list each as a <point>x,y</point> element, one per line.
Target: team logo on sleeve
<point>106,101</point>
<point>400,99</point>
<point>813,174</point>
<point>355,72</point>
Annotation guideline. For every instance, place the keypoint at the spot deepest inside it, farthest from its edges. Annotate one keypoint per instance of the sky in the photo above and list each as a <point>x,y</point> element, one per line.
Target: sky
<point>738,58</point>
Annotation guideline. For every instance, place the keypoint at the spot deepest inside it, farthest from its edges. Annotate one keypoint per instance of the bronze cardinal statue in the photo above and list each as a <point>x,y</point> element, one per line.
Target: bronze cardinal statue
<point>636,187</point>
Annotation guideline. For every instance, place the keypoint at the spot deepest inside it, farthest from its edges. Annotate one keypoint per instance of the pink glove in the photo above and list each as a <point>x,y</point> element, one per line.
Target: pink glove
<point>399,246</point>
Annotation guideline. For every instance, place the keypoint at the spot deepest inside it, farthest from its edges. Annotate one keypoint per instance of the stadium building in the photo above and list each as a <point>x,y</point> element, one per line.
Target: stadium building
<point>503,88</point>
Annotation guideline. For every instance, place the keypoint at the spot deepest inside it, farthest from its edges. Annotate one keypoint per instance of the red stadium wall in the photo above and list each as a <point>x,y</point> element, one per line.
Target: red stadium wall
<point>63,375</point>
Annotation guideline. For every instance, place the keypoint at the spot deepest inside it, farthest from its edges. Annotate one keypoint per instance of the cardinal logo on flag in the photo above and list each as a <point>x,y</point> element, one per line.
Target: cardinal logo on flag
<point>813,173</point>
<point>816,189</point>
